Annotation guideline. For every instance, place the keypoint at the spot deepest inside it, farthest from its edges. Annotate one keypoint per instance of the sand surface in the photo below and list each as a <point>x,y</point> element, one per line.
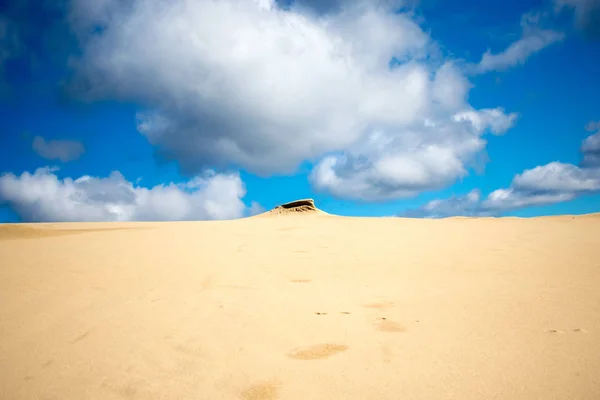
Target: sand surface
<point>302,307</point>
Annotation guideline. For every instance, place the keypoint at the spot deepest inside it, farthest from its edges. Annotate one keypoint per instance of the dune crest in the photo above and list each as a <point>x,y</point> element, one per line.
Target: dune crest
<point>297,207</point>
<point>301,307</point>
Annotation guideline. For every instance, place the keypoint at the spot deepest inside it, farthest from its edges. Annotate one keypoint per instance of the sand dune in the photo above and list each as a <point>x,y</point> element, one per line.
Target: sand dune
<point>302,306</point>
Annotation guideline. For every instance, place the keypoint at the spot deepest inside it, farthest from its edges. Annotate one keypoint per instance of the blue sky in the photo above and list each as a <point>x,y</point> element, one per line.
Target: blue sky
<point>153,110</point>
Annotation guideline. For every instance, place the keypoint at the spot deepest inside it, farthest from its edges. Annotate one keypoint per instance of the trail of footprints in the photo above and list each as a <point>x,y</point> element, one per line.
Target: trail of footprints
<point>562,332</point>
<point>326,350</point>
<point>268,390</point>
<point>382,324</point>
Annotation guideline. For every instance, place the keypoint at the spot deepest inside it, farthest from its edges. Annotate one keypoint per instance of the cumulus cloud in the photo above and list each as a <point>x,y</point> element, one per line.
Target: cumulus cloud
<point>533,39</point>
<point>586,15</point>
<point>252,85</point>
<point>63,150</point>
<point>386,165</point>
<point>591,150</point>
<point>332,6</point>
<point>558,177</point>
<point>503,200</point>
<point>467,206</point>
<point>496,203</point>
<point>552,183</point>
<point>255,209</point>
<point>44,197</point>
<point>239,81</point>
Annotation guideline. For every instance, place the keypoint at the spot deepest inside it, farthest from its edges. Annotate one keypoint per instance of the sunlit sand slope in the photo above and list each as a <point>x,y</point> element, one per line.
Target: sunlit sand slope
<point>302,306</point>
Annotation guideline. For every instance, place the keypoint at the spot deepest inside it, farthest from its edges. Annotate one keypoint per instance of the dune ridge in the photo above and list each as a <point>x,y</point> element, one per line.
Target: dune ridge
<point>302,308</point>
<point>297,207</point>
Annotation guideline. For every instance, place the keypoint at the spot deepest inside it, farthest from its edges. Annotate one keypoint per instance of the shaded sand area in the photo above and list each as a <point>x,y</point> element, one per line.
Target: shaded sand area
<point>302,306</point>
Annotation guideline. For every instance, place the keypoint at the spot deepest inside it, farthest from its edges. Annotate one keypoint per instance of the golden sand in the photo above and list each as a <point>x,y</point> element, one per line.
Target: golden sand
<point>304,306</point>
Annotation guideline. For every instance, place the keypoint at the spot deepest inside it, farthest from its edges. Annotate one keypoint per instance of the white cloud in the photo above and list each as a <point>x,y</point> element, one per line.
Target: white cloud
<point>247,84</point>
<point>533,40</point>
<point>468,206</point>
<point>42,196</point>
<point>63,150</point>
<point>496,203</point>
<point>450,87</point>
<point>495,119</point>
<point>552,183</point>
<point>255,209</point>
<point>388,164</point>
<point>503,200</point>
<point>331,6</point>
<point>234,82</point>
<point>558,177</point>
<point>591,149</point>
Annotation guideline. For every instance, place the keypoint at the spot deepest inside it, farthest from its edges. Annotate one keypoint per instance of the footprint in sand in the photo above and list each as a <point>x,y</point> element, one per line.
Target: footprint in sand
<point>317,351</point>
<point>380,305</point>
<point>267,390</point>
<point>385,325</point>
<point>340,312</point>
<point>559,331</point>
<point>300,280</point>
<point>81,337</point>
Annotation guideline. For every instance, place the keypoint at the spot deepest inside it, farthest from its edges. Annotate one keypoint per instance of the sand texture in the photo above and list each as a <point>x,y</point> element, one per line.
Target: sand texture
<point>302,306</point>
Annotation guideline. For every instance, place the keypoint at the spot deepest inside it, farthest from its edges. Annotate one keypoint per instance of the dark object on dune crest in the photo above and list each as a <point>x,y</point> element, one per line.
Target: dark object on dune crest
<point>300,205</point>
<point>295,207</point>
